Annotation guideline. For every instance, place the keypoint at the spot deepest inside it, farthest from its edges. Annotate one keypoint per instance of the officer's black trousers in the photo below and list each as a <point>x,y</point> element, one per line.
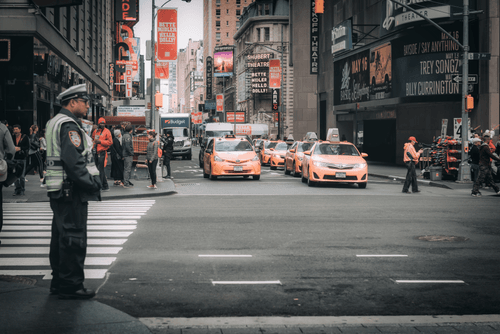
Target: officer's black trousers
<point>68,244</point>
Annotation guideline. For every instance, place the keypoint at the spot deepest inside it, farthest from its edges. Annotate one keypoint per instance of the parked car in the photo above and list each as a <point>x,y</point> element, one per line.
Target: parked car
<point>294,156</point>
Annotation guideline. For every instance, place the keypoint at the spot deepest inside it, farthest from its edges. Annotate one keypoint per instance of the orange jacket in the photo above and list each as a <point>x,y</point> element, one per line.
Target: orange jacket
<point>410,149</point>
<point>104,136</point>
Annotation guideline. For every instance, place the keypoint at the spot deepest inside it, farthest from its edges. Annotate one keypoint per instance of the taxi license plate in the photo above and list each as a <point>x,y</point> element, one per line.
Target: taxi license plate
<point>340,175</point>
<point>238,168</point>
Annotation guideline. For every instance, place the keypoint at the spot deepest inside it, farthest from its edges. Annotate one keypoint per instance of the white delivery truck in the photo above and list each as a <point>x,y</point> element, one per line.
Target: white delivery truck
<point>214,130</point>
<point>179,124</point>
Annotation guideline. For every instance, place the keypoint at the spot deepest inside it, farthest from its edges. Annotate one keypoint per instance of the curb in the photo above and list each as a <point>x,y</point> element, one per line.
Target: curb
<point>402,180</point>
<point>155,194</point>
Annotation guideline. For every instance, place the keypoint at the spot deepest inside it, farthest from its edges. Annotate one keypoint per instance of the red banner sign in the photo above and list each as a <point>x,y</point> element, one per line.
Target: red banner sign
<point>274,73</point>
<point>161,70</point>
<point>240,116</point>
<point>128,81</point>
<point>167,34</point>
<point>220,102</point>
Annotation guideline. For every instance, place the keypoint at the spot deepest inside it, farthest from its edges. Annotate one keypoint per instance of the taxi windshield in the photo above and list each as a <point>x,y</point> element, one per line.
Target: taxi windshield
<point>217,133</point>
<point>336,149</point>
<point>281,147</point>
<point>304,147</point>
<point>233,146</point>
<point>270,144</point>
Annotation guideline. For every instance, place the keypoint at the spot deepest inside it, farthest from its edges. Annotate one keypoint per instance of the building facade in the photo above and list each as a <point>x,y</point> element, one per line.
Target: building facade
<point>45,50</point>
<point>386,74</point>
<point>264,36</point>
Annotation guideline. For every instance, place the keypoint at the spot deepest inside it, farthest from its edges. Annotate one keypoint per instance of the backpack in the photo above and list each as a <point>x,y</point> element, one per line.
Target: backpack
<point>160,152</point>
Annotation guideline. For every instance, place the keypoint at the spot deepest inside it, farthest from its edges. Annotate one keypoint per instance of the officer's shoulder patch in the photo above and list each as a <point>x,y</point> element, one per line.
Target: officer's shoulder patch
<point>75,138</point>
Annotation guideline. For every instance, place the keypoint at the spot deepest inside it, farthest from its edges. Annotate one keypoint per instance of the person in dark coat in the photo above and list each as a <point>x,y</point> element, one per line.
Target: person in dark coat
<point>7,151</point>
<point>168,152</point>
<point>72,181</point>
<point>485,168</point>
<point>22,143</point>
<point>474,157</point>
<point>116,158</point>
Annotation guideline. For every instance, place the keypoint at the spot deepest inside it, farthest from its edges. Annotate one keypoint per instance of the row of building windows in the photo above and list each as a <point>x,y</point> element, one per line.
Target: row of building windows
<point>238,2</point>
<point>238,12</point>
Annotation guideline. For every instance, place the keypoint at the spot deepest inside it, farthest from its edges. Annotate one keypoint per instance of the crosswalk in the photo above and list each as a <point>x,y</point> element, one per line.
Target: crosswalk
<point>26,236</point>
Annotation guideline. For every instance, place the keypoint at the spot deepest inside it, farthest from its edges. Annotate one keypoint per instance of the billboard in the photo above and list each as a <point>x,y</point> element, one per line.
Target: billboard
<point>219,98</point>
<point>223,64</point>
<point>274,73</point>
<point>161,70</point>
<point>167,34</point>
<point>240,116</point>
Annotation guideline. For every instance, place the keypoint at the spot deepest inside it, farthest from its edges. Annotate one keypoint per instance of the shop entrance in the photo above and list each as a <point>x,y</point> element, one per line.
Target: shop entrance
<point>379,140</point>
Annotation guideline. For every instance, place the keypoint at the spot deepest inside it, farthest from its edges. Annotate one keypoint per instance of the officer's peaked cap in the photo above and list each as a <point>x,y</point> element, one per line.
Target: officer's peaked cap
<point>74,92</point>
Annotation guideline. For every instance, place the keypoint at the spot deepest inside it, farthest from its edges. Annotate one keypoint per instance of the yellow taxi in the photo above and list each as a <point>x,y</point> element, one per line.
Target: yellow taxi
<point>338,162</point>
<point>278,155</point>
<point>265,151</point>
<point>294,157</point>
<point>230,156</point>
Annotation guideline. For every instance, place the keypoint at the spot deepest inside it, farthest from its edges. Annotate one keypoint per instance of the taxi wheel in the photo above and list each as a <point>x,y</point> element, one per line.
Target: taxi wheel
<point>294,173</point>
<point>205,175</point>
<point>256,177</point>
<point>304,180</point>
<point>311,183</point>
<point>362,185</point>
<point>287,172</point>
<point>212,177</point>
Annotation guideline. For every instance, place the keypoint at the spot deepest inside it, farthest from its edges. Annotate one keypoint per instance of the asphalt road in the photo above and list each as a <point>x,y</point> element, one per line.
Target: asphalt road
<point>276,247</point>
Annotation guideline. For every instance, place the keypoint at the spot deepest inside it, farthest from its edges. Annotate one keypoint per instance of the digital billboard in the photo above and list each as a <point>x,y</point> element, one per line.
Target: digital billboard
<point>223,64</point>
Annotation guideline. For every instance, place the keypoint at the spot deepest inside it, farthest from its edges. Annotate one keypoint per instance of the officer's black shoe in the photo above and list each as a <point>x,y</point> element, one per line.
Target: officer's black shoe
<point>54,291</point>
<point>79,294</point>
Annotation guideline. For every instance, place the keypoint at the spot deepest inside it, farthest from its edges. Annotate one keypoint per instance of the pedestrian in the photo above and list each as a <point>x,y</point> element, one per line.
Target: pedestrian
<point>474,156</point>
<point>43,153</point>
<point>72,181</point>
<point>22,143</point>
<point>152,158</point>
<point>127,155</point>
<point>410,158</point>
<point>168,152</point>
<point>34,157</point>
<point>116,158</point>
<point>11,130</point>
<point>102,142</point>
<point>485,175</point>
<point>7,151</point>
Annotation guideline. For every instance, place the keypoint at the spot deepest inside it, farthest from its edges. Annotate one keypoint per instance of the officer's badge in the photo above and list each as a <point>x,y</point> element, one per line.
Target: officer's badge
<point>75,138</point>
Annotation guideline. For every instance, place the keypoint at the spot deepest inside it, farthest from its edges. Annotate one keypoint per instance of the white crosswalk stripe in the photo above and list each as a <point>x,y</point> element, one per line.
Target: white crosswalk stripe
<point>26,236</point>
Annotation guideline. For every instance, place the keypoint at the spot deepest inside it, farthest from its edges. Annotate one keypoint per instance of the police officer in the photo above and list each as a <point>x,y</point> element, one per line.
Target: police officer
<point>72,180</point>
<point>168,152</point>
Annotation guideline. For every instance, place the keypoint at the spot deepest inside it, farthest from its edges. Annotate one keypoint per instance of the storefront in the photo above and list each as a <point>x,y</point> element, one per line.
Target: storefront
<point>402,86</point>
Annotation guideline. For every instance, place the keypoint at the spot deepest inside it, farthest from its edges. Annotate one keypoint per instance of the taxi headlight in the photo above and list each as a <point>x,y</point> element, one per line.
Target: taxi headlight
<point>255,158</point>
<point>320,164</point>
<point>277,156</point>
<point>217,158</point>
<point>359,165</point>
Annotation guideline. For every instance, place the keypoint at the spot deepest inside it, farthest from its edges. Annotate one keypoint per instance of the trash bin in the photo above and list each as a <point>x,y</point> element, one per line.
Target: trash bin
<point>435,173</point>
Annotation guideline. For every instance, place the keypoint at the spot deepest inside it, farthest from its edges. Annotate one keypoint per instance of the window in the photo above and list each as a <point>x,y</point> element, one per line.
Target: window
<point>266,34</point>
<point>227,11</point>
<point>217,35</point>
<point>238,12</point>
<point>217,1</point>
<point>227,34</point>
<point>238,2</point>
<point>217,12</point>
<point>258,34</point>
<point>227,23</point>
<point>267,9</point>
<point>217,23</point>
<point>259,10</point>
<point>192,52</point>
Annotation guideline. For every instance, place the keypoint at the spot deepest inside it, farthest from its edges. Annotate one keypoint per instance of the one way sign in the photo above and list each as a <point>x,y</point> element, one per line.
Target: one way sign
<point>473,79</point>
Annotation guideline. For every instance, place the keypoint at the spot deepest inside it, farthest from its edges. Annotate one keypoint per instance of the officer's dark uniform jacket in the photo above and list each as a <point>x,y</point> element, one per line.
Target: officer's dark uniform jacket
<point>85,186</point>
<point>168,146</point>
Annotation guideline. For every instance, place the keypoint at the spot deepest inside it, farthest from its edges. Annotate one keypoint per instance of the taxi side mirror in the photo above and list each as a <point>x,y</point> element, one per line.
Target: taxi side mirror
<point>307,152</point>
<point>364,155</point>
<point>293,150</point>
<point>271,149</point>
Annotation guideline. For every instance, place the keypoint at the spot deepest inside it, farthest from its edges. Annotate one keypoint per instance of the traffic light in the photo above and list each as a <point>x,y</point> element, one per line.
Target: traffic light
<point>469,102</point>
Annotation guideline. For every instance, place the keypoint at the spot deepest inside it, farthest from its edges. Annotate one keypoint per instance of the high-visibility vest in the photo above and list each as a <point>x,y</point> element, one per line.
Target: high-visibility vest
<point>55,170</point>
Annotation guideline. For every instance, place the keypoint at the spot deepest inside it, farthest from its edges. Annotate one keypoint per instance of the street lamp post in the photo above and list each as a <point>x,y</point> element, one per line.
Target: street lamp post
<point>281,131</point>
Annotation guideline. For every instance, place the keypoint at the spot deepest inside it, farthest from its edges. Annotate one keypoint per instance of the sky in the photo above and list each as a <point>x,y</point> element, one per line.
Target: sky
<point>189,21</point>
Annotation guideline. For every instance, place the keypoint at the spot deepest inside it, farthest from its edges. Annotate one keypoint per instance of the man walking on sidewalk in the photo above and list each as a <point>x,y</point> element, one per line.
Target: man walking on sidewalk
<point>128,155</point>
<point>485,168</point>
<point>102,141</point>
<point>411,158</point>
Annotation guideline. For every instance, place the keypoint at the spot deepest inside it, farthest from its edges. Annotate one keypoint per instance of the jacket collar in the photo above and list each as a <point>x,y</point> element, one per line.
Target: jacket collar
<point>68,113</point>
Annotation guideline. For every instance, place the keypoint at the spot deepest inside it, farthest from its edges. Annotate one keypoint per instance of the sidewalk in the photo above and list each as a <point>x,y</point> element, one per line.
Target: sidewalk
<point>34,193</point>
<point>25,308</point>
